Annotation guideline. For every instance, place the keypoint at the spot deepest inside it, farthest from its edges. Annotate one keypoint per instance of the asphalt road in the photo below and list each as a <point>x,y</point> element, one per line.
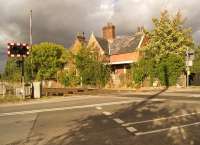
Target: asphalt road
<point>109,119</point>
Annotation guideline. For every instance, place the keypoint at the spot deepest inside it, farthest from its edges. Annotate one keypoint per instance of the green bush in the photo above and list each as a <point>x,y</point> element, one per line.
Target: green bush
<point>68,79</point>
<point>91,69</point>
<point>167,70</point>
<point>142,69</point>
<point>170,69</point>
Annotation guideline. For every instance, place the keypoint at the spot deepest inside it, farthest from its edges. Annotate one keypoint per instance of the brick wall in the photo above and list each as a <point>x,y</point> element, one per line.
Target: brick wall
<point>134,56</point>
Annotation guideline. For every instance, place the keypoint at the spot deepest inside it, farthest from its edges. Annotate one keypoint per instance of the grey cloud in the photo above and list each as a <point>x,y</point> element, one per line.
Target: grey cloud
<point>59,21</point>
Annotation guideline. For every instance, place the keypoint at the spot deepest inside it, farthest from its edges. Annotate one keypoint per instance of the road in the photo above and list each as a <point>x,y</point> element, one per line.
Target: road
<point>121,118</point>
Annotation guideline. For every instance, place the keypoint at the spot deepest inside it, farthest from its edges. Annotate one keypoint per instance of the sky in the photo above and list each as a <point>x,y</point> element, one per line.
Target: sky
<point>60,21</point>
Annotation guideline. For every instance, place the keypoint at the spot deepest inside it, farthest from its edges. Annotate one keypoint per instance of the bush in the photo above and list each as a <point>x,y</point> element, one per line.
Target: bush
<point>142,70</point>
<point>167,70</point>
<point>92,70</point>
<point>170,69</point>
<point>68,79</point>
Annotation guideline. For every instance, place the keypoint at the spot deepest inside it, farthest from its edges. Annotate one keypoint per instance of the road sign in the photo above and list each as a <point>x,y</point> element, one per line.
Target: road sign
<point>18,50</point>
<point>189,63</point>
<point>190,55</point>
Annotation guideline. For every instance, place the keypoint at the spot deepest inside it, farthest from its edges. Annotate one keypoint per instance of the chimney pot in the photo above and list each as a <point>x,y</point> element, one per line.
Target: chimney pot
<point>109,32</point>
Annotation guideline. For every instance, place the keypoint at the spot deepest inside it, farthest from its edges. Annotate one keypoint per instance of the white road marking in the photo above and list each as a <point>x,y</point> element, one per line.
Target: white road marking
<point>131,129</point>
<point>51,100</point>
<point>159,119</point>
<point>66,108</point>
<point>166,129</point>
<point>99,108</point>
<point>119,121</point>
<point>107,113</point>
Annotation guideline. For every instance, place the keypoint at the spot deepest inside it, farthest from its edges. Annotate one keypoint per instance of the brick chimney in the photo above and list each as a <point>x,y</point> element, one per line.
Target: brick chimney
<point>109,32</point>
<point>80,37</point>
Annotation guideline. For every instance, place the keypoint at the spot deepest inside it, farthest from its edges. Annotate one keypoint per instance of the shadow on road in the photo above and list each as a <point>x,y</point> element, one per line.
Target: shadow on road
<point>102,130</point>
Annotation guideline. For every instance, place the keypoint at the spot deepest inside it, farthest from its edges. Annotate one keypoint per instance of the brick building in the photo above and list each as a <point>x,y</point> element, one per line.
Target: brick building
<point>117,51</point>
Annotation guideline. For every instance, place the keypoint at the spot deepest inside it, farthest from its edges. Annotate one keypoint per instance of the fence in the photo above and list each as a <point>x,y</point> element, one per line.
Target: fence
<point>14,89</point>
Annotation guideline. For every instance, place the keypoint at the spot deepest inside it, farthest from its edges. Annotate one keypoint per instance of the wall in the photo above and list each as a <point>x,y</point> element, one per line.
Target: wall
<point>134,56</point>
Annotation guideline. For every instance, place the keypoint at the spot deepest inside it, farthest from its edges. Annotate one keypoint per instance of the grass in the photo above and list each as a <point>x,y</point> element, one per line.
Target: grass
<point>12,99</point>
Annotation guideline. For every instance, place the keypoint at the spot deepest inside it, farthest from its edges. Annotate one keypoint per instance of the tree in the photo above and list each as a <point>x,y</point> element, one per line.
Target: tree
<point>196,65</point>
<point>12,70</point>
<point>169,36</point>
<point>92,71</point>
<point>47,59</point>
<point>169,69</point>
<point>165,51</point>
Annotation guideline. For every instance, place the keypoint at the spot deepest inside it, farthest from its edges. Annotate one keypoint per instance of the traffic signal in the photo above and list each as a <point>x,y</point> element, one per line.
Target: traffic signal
<point>18,50</point>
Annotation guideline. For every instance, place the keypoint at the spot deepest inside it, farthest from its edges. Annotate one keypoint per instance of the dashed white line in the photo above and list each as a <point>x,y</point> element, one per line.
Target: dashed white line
<point>162,118</point>
<point>166,129</point>
<point>119,121</point>
<point>131,129</point>
<point>107,113</point>
<point>99,108</point>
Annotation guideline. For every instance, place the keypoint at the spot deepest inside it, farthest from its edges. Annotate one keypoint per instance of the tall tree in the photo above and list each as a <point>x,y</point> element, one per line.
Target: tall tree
<point>165,51</point>
<point>47,59</point>
<point>169,36</point>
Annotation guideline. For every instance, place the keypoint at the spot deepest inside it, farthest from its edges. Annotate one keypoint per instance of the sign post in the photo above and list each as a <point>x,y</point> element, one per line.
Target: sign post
<point>19,51</point>
<point>189,63</point>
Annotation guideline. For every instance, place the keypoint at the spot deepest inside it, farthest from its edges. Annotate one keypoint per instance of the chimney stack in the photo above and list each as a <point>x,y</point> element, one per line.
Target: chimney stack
<point>140,29</point>
<point>109,32</point>
<point>81,37</point>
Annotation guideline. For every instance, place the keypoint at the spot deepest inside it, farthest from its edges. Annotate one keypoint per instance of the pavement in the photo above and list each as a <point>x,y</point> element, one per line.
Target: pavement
<point>117,118</point>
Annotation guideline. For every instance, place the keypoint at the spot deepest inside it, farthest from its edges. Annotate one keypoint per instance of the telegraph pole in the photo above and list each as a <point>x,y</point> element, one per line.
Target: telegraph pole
<point>31,41</point>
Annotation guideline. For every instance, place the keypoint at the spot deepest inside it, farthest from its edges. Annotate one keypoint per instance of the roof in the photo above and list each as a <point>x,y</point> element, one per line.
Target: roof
<point>125,44</point>
<point>120,45</point>
<point>103,43</point>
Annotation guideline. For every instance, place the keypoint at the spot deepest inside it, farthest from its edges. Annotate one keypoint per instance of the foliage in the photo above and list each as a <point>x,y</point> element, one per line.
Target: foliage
<point>92,71</point>
<point>12,70</point>
<point>143,69</point>
<point>169,69</point>
<point>169,36</point>
<point>47,59</point>
<point>68,79</point>
<point>165,52</point>
<point>196,65</point>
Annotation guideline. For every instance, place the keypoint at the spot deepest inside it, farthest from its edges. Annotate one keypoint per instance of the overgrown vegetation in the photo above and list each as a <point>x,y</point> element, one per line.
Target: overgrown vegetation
<point>85,68</point>
<point>196,65</point>
<point>165,52</point>
<point>47,59</point>
<point>68,79</point>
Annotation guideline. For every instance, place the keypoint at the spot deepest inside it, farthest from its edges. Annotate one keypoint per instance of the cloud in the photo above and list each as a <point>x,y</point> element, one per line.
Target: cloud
<point>59,21</point>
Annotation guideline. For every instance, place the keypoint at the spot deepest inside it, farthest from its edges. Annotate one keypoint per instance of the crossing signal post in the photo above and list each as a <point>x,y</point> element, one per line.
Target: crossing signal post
<point>19,51</point>
<point>189,62</point>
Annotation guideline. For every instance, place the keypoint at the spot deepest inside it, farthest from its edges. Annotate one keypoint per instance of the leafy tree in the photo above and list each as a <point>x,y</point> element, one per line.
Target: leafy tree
<point>12,70</point>
<point>91,70</point>
<point>169,69</point>
<point>165,51</point>
<point>169,36</point>
<point>143,69</point>
<point>196,65</point>
<point>69,79</point>
<point>47,59</point>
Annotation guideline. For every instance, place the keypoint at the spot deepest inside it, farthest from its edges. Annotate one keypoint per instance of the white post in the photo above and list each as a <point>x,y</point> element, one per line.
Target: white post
<point>187,68</point>
<point>3,87</point>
